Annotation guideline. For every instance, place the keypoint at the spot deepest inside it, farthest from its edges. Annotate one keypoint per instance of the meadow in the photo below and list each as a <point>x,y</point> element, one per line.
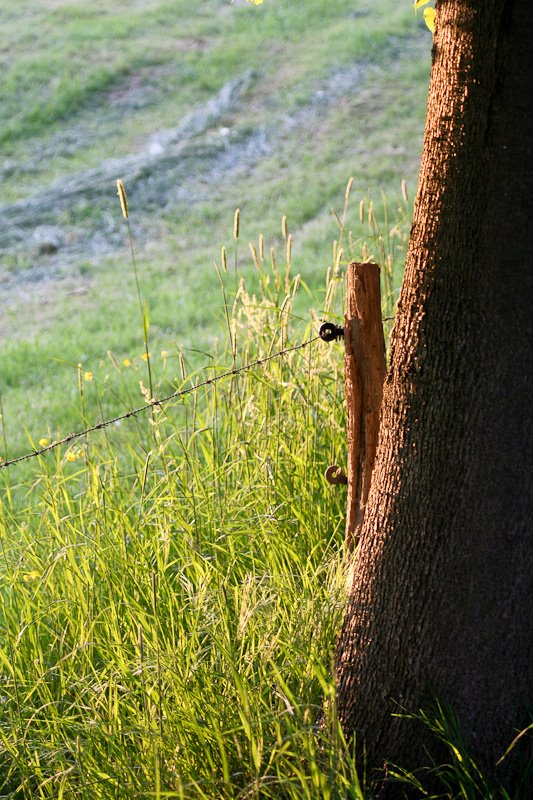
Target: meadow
<point>172,586</point>
<point>328,92</point>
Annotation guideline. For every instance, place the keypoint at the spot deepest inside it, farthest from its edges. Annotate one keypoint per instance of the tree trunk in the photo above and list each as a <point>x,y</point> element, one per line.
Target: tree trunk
<point>440,602</point>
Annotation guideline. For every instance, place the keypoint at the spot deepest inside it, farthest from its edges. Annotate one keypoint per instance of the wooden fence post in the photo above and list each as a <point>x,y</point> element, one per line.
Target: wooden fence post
<point>364,373</point>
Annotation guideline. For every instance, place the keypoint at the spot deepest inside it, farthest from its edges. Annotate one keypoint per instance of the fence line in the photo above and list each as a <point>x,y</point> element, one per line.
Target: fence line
<point>154,403</point>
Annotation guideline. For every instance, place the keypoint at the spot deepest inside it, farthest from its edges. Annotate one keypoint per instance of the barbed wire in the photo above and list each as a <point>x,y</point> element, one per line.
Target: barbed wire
<point>154,403</point>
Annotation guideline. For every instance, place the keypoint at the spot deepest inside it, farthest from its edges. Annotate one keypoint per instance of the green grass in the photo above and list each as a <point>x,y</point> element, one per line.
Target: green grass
<point>66,70</point>
<point>168,617</point>
<point>171,589</point>
<point>55,410</point>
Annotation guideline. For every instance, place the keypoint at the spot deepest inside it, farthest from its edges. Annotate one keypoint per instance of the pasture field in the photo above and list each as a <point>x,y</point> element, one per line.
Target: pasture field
<point>201,108</point>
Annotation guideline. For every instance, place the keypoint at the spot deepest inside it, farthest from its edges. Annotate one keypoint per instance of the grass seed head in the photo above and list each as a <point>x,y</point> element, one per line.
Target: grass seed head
<point>348,189</point>
<point>289,249</point>
<point>404,191</point>
<point>123,198</point>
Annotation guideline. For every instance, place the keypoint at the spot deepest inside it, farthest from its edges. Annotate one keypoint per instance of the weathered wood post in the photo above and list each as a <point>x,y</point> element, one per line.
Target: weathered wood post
<point>364,373</point>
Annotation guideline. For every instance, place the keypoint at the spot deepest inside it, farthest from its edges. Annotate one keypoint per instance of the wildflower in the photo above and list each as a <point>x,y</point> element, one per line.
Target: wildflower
<point>31,576</point>
<point>43,442</point>
<point>127,362</point>
<point>145,356</point>
<point>164,354</point>
<point>88,376</point>
<point>71,455</point>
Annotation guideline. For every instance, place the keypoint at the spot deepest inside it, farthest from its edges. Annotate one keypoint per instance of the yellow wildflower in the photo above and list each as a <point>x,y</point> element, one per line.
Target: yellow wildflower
<point>145,356</point>
<point>43,442</point>
<point>71,455</point>
<point>88,376</point>
<point>127,362</point>
<point>31,576</point>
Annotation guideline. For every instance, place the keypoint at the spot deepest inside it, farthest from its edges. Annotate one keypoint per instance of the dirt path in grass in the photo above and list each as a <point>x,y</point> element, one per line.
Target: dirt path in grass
<point>77,217</point>
<point>153,176</point>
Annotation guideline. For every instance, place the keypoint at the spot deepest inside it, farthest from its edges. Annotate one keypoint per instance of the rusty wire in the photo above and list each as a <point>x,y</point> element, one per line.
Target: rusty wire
<point>154,403</point>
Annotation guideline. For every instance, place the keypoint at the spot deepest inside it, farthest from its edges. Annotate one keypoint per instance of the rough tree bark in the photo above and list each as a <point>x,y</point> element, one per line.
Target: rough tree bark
<point>440,601</point>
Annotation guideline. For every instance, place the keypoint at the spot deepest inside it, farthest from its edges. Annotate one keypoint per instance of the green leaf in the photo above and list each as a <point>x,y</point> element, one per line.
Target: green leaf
<point>146,324</point>
<point>514,742</point>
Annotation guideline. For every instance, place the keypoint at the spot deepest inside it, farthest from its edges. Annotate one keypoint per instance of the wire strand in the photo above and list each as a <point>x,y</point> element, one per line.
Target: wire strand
<point>154,403</point>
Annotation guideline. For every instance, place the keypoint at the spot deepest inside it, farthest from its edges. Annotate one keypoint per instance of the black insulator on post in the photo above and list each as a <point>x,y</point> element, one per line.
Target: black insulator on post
<point>329,332</point>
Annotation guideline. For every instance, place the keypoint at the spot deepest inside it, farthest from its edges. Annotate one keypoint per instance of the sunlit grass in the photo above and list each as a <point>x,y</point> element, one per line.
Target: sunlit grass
<point>169,616</point>
<point>170,611</point>
<point>170,608</point>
